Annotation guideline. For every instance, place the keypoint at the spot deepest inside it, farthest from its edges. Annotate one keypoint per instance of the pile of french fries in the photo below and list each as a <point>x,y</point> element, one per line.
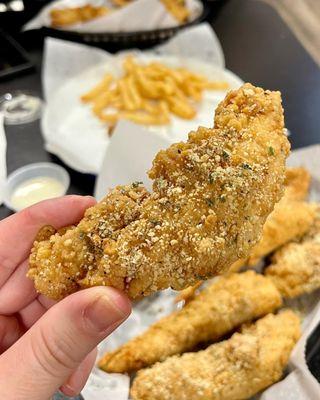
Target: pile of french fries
<point>61,17</point>
<point>147,94</point>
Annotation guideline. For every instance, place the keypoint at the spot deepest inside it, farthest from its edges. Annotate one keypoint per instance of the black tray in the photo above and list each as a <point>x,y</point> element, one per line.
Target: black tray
<point>125,39</point>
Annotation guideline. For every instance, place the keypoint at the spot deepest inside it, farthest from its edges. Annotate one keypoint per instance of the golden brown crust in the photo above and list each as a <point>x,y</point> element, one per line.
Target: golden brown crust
<point>234,369</point>
<point>217,310</point>
<point>211,196</point>
<point>290,219</point>
<point>297,183</point>
<point>295,268</point>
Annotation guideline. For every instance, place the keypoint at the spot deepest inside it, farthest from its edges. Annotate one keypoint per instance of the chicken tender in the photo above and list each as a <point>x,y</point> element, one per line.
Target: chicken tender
<point>297,183</point>
<point>295,268</point>
<point>217,310</point>
<point>290,219</point>
<point>235,369</point>
<point>211,196</point>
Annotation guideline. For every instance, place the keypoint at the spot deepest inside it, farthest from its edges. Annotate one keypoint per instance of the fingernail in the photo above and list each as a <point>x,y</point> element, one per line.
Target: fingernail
<point>107,310</point>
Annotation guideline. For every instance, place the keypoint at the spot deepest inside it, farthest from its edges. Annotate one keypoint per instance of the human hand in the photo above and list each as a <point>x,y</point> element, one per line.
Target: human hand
<point>46,345</point>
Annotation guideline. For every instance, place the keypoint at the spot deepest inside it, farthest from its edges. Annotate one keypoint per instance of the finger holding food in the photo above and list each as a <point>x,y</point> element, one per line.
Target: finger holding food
<point>206,210</point>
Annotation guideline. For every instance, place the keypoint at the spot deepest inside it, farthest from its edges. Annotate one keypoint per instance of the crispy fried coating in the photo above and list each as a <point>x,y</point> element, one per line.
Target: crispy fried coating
<point>295,268</point>
<point>61,17</point>
<point>297,183</point>
<point>211,196</point>
<point>188,293</point>
<point>234,369</point>
<point>227,303</point>
<point>290,219</point>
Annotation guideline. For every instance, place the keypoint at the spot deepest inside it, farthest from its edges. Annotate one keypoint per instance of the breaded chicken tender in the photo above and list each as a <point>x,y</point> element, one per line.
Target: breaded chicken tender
<point>211,196</point>
<point>297,183</point>
<point>295,268</point>
<point>227,303</point>
<point>290,219</point>
<point>234,369</point>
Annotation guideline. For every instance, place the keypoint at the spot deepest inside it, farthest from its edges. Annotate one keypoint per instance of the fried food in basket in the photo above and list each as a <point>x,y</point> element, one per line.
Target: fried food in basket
<point>61,17</point>
<point>178,9</point>
<point>234,369</point>
<point>295,268</point>
<point>147,94</point>
<point>211,196</point>
<point>290,219</point>
<point>121,3</point>
<point>219,309</point>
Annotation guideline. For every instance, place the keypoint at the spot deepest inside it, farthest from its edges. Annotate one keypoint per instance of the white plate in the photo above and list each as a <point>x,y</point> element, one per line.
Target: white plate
<point>74,134</point>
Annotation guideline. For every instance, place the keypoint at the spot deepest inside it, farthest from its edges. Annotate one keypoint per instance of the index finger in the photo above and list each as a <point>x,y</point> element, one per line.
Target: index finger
<point>18,231</point>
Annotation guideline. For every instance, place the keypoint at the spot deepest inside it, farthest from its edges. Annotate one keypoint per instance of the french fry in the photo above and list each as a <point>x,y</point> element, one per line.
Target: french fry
<point>110,118</point>
<point>147,87</point>
<point>147,94</point>
<point>98,89</point>
<point>125,96</point>
<point>178,9</point>
<point>69,16</point>
<point>134,92</point>
<point>181,108</point>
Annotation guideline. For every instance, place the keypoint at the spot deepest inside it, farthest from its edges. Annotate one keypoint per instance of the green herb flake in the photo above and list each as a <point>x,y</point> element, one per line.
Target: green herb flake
<point>210,202</point>
<point>225,155</point>
<point>211,179</point>
<point>154,222</point>
<point>271,151</point>
<point>246,166</point>
<point>136,184</point>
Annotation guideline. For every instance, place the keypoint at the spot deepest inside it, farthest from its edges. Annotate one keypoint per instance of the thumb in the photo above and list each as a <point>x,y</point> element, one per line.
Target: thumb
<point>45,357</point>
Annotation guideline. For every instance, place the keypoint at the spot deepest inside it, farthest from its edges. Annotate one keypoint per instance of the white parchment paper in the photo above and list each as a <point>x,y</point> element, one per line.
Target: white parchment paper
<point>140,15</point>
<point>69,126</point>
<point>298,384</point>
<point>3,162</point>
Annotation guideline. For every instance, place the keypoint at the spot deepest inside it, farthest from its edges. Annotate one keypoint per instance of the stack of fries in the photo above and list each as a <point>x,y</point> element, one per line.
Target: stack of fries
<point>146,94</point>
<point>68,16</point>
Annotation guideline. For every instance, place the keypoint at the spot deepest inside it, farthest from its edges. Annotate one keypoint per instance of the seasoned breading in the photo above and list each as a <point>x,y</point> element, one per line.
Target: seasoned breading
<point>227,303</point>
<point>211,196</point>
<point>295,268</point>
<point>235,369</point>
<point>290,219</point>
<point>297,183</point>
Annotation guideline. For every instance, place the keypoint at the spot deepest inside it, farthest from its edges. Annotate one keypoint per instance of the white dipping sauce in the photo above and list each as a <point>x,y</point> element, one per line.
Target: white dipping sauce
<point>36,189</point>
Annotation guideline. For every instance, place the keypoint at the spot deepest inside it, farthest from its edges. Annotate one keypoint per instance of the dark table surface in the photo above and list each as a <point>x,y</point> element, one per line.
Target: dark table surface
<point>258,46</point>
